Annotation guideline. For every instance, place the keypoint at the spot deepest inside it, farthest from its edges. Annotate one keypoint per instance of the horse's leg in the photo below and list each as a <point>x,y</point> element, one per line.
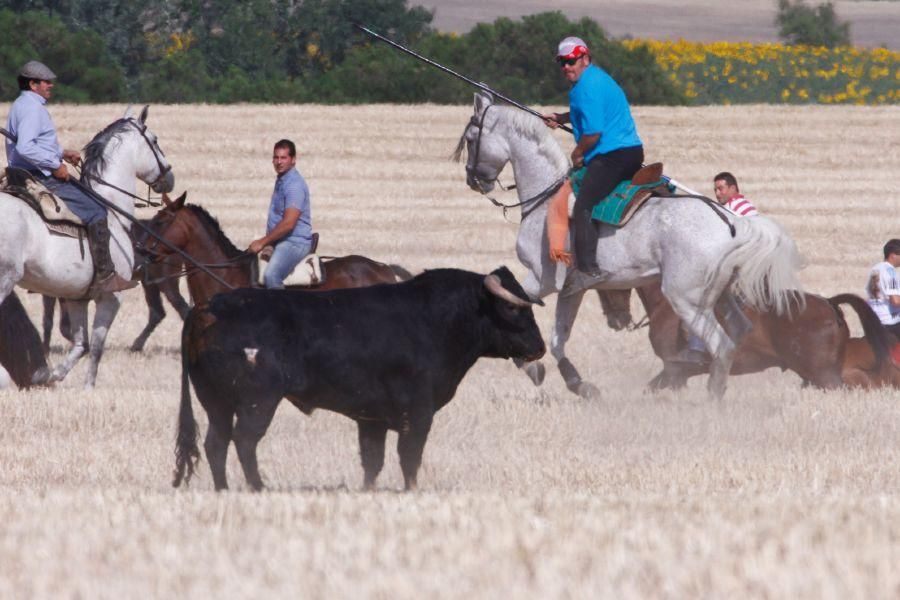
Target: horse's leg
<point>567,306</point>
<point>77,310</point>
<point>170,289</point>
<point>49,310</point>
<point>701,321</point>
<point>156,314</point>
<point>107,307</point>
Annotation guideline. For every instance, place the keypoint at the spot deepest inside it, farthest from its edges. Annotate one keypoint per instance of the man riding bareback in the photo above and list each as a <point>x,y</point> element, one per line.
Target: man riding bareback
<point>607,141</point>
<point>37,150</point>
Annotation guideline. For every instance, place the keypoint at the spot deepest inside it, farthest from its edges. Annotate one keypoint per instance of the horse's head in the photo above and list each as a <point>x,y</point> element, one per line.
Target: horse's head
<point>172,224</point>
<point>124,150</point>
<point>488,152</point>
<point>151,165</point>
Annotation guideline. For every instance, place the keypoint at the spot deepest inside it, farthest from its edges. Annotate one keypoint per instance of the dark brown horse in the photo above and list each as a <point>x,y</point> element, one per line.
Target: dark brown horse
<point>21,353</point>
<point>812,343</point>
<point>191,229</point>
<point>869,365</point>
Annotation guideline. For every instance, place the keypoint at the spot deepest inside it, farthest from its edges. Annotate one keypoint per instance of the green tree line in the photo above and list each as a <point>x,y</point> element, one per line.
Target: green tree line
<point>222,51</point>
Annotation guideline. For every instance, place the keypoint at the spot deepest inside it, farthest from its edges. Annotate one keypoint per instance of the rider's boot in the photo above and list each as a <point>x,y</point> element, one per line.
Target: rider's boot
<point>105,272</point>
<point>586,237</point>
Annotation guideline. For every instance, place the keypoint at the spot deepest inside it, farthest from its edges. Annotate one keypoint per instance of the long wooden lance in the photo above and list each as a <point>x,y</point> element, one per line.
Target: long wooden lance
<point>488,89</point>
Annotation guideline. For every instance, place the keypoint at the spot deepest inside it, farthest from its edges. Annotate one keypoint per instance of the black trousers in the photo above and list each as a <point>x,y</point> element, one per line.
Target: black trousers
<point>604,173</point>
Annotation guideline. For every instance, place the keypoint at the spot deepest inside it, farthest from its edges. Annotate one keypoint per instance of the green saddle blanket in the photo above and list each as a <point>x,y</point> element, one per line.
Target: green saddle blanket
<point>612,208</point>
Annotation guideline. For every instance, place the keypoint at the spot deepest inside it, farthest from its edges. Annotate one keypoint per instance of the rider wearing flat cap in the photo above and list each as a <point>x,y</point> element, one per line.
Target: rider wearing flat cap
<point>37,150</point>
<point>606,136</point>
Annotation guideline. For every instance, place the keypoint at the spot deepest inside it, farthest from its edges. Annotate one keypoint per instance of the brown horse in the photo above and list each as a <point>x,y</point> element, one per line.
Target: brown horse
<point>865,365</point>
<point>812,343</point>
<point>191,229</point>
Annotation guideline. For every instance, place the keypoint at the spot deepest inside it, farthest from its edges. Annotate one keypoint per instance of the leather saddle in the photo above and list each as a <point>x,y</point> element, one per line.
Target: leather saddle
<point>308,272</point>
<point>50,207</point>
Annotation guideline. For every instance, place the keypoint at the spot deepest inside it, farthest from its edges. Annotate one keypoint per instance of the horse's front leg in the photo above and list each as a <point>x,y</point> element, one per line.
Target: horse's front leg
<point>567,305</point>
<point>77,310</point>
<point>107,308</point>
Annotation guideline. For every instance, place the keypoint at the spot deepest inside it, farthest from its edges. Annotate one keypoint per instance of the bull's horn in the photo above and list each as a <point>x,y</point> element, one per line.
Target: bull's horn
<point>492,283</point>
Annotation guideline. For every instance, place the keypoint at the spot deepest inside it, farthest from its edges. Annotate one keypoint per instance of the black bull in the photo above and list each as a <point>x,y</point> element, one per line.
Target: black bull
<point>387,356</point>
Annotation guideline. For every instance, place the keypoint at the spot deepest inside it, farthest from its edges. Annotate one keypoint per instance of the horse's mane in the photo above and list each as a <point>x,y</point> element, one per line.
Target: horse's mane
<point>215,230</point>
<point>95,151</point>
<point>526,125</point>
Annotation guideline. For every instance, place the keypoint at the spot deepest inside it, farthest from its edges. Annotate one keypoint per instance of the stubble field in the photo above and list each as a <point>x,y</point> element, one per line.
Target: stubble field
<point>525,492</point>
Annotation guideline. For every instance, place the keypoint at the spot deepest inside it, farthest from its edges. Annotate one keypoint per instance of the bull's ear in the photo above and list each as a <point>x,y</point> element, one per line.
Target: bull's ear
<point>482,101</point>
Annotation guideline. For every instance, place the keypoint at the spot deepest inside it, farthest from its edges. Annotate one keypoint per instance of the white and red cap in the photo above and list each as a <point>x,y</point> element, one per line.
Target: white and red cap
<point>572,47</point>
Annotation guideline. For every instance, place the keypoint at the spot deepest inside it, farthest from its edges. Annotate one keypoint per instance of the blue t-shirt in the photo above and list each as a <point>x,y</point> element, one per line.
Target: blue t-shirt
<point>598,105</point>
<point>291,192</point>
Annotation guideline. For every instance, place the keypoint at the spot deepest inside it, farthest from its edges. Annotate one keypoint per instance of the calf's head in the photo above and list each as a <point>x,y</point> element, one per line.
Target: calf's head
<point>512,331</point>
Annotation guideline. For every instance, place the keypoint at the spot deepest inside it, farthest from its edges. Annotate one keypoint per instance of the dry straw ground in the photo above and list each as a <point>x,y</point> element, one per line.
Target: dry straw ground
<point>526,492</point>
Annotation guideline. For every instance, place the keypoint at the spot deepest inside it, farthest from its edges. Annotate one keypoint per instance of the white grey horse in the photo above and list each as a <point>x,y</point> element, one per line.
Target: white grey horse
<point>35,259</point>
<point>700,252</point>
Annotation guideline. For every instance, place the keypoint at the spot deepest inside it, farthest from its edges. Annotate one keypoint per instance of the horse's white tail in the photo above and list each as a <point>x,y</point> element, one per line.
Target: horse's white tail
<point>765,261</point>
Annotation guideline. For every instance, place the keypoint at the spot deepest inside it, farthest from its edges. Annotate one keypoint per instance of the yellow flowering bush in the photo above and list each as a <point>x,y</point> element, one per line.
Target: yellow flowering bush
<point>744,72</point>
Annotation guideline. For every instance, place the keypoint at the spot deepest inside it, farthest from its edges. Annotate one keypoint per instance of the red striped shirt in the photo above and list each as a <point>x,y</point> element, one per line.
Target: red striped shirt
<point>741,206</point>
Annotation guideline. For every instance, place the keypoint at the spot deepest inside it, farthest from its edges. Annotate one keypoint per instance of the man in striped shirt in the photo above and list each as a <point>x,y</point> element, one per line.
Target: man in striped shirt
<point>729,196</point>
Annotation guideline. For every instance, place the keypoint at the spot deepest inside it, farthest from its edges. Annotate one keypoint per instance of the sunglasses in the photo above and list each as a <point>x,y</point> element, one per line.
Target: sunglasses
<point>567,62</point>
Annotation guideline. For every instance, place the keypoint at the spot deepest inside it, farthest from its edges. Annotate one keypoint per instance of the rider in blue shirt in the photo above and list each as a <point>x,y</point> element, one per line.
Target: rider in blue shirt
<point>606,140</point>
<point>37,150</point>
<point>288,226</point>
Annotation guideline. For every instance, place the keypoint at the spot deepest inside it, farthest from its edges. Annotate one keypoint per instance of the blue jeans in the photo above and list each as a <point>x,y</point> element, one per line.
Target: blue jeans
<point>286,256</point>
<point>87,209</point>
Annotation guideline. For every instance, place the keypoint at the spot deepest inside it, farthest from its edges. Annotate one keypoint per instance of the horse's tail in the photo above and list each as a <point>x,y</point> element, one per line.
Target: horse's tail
<point>21,349</point>
<point>874,332</point>
<point>400,273</point>
<point>187,454</point>
<point>764,263</point>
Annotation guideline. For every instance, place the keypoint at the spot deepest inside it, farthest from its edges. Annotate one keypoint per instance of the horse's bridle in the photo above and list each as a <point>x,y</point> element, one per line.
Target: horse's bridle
<point>163,169</point>
<point>532,203</point>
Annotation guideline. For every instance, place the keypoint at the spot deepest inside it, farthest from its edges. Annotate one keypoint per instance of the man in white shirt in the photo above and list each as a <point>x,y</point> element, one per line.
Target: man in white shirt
<point>883,288</point>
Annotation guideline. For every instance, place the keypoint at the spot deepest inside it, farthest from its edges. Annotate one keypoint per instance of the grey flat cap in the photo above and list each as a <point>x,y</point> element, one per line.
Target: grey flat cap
<point>37,70</point>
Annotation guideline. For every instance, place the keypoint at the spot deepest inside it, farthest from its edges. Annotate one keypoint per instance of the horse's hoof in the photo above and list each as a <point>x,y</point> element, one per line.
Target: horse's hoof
<point>42,377</point>
<point>587,390</point>
<point>536,372</point>
<point>56,374</point>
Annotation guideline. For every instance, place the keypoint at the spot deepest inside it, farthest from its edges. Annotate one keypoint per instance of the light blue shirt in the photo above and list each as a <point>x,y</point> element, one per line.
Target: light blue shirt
<point>598,105</point>
<point>37,146</point>
<point>291,191</point>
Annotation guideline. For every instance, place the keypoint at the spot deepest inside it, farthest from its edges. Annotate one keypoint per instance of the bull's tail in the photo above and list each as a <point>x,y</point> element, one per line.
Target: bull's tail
<point>874,332</point>
<point>765,262</point>
<point>187,454</point>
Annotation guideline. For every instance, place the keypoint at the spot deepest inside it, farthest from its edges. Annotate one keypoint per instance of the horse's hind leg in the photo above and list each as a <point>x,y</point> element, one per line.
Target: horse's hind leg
<point>702,322</point>
<point>567,306</point>
<point>49,311</point>
<point>252,422</point>
<point>107,307</point>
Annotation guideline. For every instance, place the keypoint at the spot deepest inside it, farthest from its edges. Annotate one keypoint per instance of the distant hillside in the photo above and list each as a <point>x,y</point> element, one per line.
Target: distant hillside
<point>873,23</point>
